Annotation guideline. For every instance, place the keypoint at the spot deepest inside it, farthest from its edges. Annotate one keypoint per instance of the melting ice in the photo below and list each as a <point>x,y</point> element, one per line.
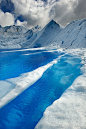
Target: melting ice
<point>26,110</point>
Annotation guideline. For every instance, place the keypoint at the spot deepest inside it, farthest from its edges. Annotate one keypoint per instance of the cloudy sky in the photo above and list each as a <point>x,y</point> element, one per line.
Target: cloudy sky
<point>30,13</point>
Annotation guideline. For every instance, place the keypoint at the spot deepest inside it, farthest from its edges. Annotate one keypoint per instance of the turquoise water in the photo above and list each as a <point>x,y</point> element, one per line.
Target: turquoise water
<point>12,64</point>
<point>26,110</point>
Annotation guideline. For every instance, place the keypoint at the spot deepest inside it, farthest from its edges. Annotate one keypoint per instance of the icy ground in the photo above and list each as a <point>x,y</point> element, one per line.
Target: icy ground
<point>69,111</point>
<point>44,82</point>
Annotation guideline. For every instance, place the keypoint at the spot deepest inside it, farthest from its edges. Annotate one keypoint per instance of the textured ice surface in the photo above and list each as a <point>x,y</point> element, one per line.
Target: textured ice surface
<point>69,111</point>
<point>26,110</point>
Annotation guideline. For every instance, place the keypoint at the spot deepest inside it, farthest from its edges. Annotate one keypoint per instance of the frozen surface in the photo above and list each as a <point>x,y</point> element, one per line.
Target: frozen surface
<point>72,36</point>
<point>69,111</point>
<point>47,83</point>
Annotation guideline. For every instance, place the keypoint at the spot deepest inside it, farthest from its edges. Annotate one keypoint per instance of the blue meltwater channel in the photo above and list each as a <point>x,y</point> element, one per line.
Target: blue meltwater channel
<point>25,111</point>
<point>14,63</point>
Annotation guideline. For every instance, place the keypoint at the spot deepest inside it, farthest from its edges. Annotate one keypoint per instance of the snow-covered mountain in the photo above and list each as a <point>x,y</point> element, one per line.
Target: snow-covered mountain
<point>12,30</point>
<point>72,36</point>
<point>20,37</point>
<point>48,33</point>
<point>16,36</point>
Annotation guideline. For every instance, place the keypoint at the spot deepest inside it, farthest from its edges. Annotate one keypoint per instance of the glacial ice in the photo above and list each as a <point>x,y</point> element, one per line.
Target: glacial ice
<point>69,111</point>
<point>43,86</point>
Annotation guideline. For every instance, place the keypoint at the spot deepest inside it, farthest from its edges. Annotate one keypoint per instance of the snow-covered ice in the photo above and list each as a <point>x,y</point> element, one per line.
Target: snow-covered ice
<point>69,111</point>
<point>28,95</point>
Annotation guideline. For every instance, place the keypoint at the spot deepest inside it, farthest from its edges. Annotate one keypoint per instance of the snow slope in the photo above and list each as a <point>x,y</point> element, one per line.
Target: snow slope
<point>17,36</point>
<point>49,32</point>
<point>73,35</point>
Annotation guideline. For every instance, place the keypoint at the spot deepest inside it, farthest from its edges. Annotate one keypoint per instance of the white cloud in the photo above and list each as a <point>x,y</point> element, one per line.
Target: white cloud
<point>63,11</point>
<point>21,23</point>
<point>0,1</point>
<point>34,12</point>
<point>41,12</point>
<point>6,19</point>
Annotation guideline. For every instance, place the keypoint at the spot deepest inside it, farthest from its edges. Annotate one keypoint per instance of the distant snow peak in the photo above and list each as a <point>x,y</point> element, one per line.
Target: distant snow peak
<point>12,29</point>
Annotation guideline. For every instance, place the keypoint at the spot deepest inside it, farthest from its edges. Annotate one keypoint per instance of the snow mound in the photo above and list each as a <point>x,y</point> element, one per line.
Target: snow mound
<point>72,36</point>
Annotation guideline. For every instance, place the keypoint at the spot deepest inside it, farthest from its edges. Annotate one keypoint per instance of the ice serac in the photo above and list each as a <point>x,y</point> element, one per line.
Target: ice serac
<point>48,33</point>
<point>73,35</point>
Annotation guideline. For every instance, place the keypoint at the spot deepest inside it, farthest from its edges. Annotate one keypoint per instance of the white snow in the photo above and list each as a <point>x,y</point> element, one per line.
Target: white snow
<point>69,111</point>
<point>48,33</point>
<point>17,36</point>
<point>73,35</point>
<point>5,87</point>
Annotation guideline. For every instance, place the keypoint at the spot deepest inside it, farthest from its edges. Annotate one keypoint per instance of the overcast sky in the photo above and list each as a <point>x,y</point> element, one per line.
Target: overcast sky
<point>30,13</point>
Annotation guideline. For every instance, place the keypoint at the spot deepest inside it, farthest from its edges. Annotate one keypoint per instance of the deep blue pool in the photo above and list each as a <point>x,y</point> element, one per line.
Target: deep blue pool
<point>26,110</point>
<point>12,64</point>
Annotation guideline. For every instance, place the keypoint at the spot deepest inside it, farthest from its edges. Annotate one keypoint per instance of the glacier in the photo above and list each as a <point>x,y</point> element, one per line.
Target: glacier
<point>43,76</point>
<point>69,111</point>
<point>29,106</point>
